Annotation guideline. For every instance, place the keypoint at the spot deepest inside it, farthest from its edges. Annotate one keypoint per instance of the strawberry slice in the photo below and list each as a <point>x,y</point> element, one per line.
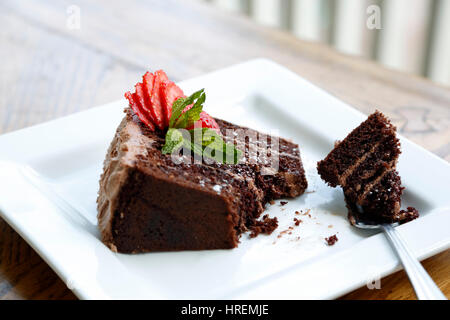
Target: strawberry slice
<point>135,105</point>
<point>143,101</point>
<point>145,114</point>
<point>156,107</point>
<point>148,80</point>
<point>140,96</point>
<point>170,92</point>
<point>205,121</point>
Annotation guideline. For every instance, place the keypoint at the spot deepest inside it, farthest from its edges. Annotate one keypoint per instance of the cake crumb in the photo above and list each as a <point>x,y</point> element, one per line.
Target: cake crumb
<point>288,231</point>
<point>283,203</point>
<point>294,239</point>
<point>330,226</point>
<point>272,202</point>
<point>331,240</point>
<point>409,214</point>
<point>297,221</point>
<point>266,225</point>
<point>306,213</point>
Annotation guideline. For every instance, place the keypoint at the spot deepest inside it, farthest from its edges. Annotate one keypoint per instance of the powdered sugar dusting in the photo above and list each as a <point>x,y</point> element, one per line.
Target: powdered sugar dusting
<point>217,188</point>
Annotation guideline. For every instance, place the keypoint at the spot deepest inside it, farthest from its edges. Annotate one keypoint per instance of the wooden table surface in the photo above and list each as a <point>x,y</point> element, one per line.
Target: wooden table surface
<point>49,70</point>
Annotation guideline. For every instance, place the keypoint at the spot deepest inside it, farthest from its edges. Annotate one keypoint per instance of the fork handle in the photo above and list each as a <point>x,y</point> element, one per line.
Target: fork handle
<point>423,285</point>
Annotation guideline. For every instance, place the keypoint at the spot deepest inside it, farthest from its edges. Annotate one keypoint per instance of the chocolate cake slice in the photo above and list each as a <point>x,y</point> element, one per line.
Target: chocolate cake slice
<point>364,165</point>
<point>149,202</point>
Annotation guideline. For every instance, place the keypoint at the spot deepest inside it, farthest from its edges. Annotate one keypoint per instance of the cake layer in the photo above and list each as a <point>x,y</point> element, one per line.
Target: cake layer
<point>382,200</point>
<point>351,152</point>
<point>369,171</point>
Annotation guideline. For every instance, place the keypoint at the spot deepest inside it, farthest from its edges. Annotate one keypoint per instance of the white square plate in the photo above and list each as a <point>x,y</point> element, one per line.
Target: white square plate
<point>55,211</point>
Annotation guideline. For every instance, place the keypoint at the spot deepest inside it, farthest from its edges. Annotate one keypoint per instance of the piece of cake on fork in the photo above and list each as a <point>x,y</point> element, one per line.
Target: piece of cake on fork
<point>364,165</point>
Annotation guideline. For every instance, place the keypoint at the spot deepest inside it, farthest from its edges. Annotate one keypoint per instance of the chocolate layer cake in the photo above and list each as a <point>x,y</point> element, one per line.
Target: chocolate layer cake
<point>364,165</point>
<point>148,202</point>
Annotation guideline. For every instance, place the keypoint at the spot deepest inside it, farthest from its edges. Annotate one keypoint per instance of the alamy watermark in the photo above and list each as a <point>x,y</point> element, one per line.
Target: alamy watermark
<point>373,280</point>
<point>255,148</point>
<point>374,17</point>
<point>73,21</point>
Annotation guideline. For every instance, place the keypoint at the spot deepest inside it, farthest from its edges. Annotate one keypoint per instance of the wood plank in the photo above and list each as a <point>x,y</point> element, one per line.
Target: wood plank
<point>53,71</point>
<point>23,274</point>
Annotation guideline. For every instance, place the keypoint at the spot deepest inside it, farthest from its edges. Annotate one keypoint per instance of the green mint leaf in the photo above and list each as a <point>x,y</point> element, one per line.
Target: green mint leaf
<point>177,108</point>
<point>215,148</point>
<point>204,136</point>
<point>193,114</point>
<point>196,148</point>
<point>179,119</point>
<point>202,141</point>
<point>222,152</point>
<point>174,140</point>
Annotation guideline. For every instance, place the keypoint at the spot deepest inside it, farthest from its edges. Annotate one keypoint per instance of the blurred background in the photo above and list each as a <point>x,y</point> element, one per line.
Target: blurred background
<point>408,35</point>
<point>63,56</point>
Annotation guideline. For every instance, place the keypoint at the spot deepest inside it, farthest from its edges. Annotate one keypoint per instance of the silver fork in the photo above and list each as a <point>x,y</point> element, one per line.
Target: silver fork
<point>423,285</point>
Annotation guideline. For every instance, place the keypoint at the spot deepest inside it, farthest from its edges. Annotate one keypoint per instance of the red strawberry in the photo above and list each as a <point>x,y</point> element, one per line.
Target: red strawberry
<point>170,92</point>
<point>135,105</point>
<point>143,101</point>
<point>148,81</point>
<point>152,102</point>
<point>142,98</point>
<point>155,99</point>
<point>205,121</point>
